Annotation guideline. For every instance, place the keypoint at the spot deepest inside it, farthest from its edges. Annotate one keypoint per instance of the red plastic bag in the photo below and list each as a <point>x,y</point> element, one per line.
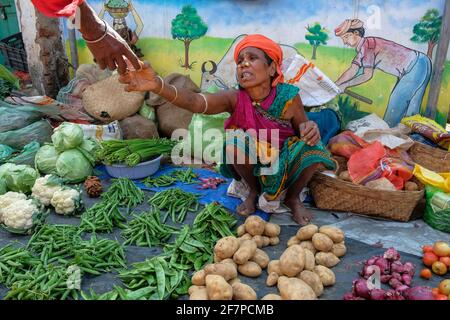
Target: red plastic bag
<point>346,144</point>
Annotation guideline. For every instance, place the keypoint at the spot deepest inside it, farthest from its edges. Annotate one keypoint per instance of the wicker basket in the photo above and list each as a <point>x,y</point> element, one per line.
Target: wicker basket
<point>434,159</point>
<point>338,195</point>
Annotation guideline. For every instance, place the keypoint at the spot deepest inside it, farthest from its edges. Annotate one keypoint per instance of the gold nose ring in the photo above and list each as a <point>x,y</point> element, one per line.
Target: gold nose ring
<point>247,64</point>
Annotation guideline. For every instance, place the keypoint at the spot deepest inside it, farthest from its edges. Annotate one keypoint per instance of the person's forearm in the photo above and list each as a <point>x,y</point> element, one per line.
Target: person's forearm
<point>363,78</point>
<point>91,26</point>
<point>347,75</point>
<point>185,98</point>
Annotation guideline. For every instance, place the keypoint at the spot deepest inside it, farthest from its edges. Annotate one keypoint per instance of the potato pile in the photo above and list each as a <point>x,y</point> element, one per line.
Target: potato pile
<point>219,281</point>
<point>261,232</point>
<point>303,269</point>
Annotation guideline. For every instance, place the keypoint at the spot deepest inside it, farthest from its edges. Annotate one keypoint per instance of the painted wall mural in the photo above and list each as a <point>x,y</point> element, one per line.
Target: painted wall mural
<point>379,53</point>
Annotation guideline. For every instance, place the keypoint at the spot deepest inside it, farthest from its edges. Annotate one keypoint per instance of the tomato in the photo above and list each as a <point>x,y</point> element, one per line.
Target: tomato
<point>435,291</point>
<point>426,273</point>
<point>439,268</point>
<point>427,249</point>
<point>441,249</point>
<point>445,260</point>
<point>444,287</point>
<point>441,297</point>
<point>429,258</point>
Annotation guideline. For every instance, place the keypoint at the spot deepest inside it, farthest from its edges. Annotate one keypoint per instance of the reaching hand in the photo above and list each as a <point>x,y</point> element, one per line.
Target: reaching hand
<point>109,52</point>
<point>144,79</point>
<point>309,132</point>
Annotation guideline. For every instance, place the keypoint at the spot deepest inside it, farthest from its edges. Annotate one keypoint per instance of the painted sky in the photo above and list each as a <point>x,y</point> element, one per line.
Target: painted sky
<point>285,20</point>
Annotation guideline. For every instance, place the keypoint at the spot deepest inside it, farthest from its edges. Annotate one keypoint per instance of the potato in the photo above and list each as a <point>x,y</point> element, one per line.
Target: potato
<point>310,260</point>
<point>307,232</point>
<point>411,186</point>
<point>272,230</point>
<point>258,240</point>
<point>326,275</point>
<point>242,291</point>
<point>335,234</point>
<point>274,241</point>
<point>246,236</point>
<point>218,288</point>
<point>245,252</point>
<point>226,247</point>
<point>322,242</point>
<point>271,296</point>
<point>327,259</point>
<point>216,258</point>
<point>266,241</point>
<point>250,269</point>
<point>226,270</point>
<point>339,249</point>
<point>240,230</point>
<point>272,279</point>
<point>292,241</point>
<point>198,278</point>
<point>274,266</point>
<point>312,280</point>
<point>308,245</point>
<point>235,280</point>
<point>261,258</point>
<point>295,289</point>
<point>199,294</point>
<point>292,261</point>
<point>231,261</point>
<point>194,288</point>
<point>255,225</point>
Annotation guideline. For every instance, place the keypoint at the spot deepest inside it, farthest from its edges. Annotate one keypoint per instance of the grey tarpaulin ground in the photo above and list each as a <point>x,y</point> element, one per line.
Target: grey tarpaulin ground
<point>405,237</point>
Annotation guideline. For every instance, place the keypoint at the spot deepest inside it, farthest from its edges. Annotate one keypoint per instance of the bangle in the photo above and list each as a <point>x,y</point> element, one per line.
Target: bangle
<point>101,38</point>
<point>162,85</point>
<point>176,94</point>
<point>206,103</point>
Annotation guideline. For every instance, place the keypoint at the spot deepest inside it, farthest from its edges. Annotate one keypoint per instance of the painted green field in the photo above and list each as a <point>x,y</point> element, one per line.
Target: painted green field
<point>167,56</point>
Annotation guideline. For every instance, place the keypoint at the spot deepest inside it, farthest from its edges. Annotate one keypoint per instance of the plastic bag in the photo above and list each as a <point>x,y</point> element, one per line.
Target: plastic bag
<point>437,211</point>
<point>26,155</point>
<point>13,118</point>
<point>102,132</point>
<point>5,152</point>
<point>431,178</point>
<point>204,142</point>
<point>148,112</point>
<point>40,131</point>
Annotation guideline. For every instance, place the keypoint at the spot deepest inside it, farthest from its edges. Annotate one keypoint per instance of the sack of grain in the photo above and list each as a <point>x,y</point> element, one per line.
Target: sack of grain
<point>107,100</point>
<point>171,117</point>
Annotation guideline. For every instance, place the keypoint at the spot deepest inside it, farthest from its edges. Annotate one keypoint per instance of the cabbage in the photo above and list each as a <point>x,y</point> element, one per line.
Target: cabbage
<point>88,148</point>
<point>20,178</point>
<point>5,168</point>
<point>72,166</point>
<point>45,160</point>
<point>67,136</point>
<point>3,188</point>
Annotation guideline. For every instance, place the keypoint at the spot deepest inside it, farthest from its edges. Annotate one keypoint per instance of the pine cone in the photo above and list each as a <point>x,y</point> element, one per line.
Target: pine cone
<point>93,187</point>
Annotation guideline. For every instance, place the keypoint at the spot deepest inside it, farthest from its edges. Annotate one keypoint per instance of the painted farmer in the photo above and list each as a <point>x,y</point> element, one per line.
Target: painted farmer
<point>412,69</point>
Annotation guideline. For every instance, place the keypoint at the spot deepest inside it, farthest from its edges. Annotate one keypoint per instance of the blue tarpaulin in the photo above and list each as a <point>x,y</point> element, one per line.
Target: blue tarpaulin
<point>207,195</point>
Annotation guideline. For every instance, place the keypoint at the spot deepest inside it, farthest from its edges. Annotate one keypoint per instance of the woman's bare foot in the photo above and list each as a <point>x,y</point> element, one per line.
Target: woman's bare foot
<point>248,207</point>
<point>300,214</point>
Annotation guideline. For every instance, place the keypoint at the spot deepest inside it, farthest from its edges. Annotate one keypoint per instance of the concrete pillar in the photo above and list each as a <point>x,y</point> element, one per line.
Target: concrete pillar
<point>47,60</point>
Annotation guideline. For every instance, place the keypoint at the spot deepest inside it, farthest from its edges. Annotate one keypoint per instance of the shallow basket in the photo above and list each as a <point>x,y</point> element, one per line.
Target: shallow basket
<point>335,194</point>
<point>435,159</point>
<point>142,170</point>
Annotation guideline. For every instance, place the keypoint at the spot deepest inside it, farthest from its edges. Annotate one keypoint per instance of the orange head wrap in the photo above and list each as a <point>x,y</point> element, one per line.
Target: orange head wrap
<point>271,48</point>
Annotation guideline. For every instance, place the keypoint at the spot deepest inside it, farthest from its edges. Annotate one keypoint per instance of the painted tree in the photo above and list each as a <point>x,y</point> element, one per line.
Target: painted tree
<point>317,36</point>
<point>428,30</point>
<point>187,27</point>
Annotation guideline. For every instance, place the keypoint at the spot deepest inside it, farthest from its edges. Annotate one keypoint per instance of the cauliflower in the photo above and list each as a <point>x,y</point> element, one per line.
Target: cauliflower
<point>19,214</point>
<point>66,201</point>
<point>43,191</point>
<point>9,198</point>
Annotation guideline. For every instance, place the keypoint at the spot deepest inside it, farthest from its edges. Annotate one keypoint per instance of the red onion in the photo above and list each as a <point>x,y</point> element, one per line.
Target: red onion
<point>391,254</point>
<point>419,293</point>
<point>383,264</point>
<point>360,289</point>
<point>349,296</point>
<point>409,268</point>
<point>377,294</point>
<point>395,283</point>
<point>406,278</point>
<point>385,278</point>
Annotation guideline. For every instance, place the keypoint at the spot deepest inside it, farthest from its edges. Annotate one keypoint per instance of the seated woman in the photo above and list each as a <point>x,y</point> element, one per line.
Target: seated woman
<point>263,101</point>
